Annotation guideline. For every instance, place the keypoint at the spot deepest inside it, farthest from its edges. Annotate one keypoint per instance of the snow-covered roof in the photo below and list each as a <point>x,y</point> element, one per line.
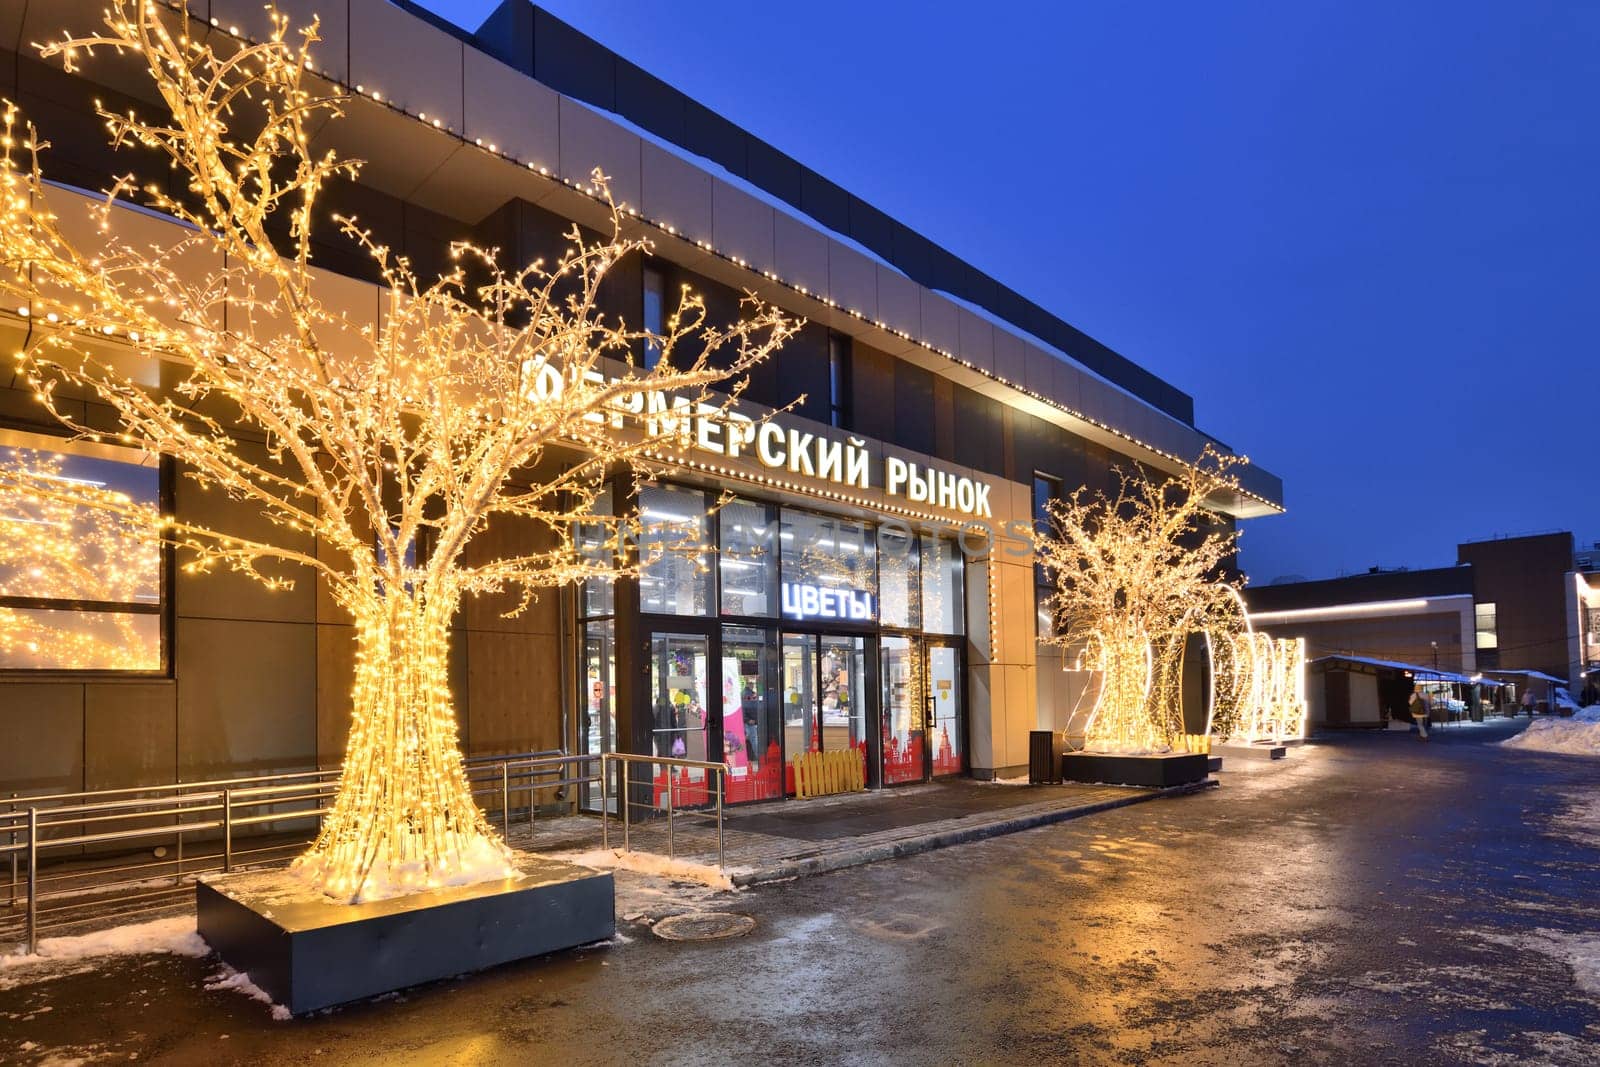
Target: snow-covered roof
<point>1427,674</point>
<point>1531,674</point>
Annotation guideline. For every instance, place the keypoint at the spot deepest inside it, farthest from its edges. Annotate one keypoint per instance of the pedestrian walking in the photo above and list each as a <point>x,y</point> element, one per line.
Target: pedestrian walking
<point>1419,714</point>
<point>1527,700</point>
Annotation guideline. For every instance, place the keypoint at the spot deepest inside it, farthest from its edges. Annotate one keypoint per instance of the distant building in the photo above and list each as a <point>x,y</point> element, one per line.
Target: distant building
<point>1523,610</point>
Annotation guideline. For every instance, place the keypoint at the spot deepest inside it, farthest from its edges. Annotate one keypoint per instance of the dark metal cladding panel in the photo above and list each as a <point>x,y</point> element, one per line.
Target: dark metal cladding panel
<point>911,252</point>
<point>772,170</point>
<point>913,408</point>
<point>708,134</point>
<point>871,227</point>
<point>507,34</point>
<point>824,201</point>
<point>946,273</point>
<point>573,63</point>
<point>651,103</point>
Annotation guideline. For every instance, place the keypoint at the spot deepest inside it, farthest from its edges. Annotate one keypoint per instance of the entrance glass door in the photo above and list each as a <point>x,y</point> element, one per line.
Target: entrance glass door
<point>944,685</point>
<point>597,722</point>
<point>750,715</point>
<point>802,732</point>
<point>905,715</point>
<point>824,696</point>
<point>680,679</point>
<point>922,709</point>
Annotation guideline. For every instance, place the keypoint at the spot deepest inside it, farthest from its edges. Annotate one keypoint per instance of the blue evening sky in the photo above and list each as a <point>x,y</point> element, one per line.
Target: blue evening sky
<point>1364,235</point>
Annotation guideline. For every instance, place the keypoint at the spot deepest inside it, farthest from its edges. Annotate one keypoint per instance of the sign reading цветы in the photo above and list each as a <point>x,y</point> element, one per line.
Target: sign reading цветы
<point>821,602</point>
<point>719,432</point>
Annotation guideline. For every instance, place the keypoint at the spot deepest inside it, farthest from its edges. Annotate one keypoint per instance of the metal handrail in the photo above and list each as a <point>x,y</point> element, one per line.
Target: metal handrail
<point>226,805</point>
<point>627,760</point>
<point>17,800</point>
<point>189,808</point>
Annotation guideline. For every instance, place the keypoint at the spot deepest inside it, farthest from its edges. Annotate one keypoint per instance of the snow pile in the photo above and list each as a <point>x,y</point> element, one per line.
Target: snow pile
<point>484,859</point>
<point>1577,736</point>
<point>238,981</point>
<point>174,936</point>
<point>659,866</point>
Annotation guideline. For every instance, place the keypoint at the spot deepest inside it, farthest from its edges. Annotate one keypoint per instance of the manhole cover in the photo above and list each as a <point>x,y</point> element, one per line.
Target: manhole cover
<point>704,926</point>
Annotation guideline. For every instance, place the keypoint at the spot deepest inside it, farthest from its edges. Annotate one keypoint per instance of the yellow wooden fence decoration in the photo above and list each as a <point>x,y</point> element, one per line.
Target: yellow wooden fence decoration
<point>818,774</point>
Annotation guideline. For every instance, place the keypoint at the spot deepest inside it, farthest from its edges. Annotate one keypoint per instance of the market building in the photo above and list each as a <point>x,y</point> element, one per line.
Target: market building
<point>871,591</point>
<point>1515,617</point>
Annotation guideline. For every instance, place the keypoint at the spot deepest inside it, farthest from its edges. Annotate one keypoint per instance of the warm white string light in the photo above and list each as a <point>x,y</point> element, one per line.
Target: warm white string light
<point>1134,574</point>
<point>486,395</point>
<point>704,245</point>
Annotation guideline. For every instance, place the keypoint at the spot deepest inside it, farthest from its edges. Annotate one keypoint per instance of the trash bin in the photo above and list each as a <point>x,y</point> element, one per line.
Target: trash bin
<point>1044,757</point>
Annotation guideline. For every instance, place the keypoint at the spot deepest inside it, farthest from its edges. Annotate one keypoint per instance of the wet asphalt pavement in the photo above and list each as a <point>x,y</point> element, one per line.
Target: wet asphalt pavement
<point>1369,900</point>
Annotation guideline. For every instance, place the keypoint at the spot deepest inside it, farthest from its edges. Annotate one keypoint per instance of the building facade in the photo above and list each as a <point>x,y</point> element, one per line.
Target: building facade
<point>1518,609</point>
<point>872,590</point>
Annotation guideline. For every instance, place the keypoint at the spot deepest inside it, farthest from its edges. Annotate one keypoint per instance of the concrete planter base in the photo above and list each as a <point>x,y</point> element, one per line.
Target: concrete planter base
<point>309,954</point>
<point>1160,771</point>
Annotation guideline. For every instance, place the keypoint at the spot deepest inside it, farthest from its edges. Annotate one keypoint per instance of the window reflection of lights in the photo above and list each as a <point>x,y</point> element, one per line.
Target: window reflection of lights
<point>47,476</point>
<point>743,592</point>
<point>666,516</point>
<point>736,564</point>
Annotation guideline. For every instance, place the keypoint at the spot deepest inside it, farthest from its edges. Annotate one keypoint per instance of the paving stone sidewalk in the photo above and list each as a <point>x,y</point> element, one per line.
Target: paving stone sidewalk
<point>788,839</point>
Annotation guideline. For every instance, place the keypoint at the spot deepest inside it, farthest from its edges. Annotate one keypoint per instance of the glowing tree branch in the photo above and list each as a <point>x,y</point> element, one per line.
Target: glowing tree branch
<point>1132,576</point>
<point>485,394</point>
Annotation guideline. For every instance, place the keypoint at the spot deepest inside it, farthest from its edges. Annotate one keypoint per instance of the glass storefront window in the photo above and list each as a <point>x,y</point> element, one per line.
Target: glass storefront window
<point>675,576</point>
<point>830,569</point>
<point>899,578</point>
<point>80,578</point>
<point>750,715</point>
<point>748,558</point>
<point>595,545</point>
<point>943,600</point>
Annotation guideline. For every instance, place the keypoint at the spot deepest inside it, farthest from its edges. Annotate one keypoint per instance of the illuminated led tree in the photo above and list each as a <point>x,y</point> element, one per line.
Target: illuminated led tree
<point>65,539</point>
<point>1132,575</point>
<point>489,394</point>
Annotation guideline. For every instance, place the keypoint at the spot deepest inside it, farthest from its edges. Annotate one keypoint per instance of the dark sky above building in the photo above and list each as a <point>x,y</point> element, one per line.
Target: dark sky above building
<point>1364,235</point>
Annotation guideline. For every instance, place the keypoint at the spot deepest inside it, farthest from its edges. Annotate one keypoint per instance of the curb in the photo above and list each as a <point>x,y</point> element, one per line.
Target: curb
<point>912,846</point>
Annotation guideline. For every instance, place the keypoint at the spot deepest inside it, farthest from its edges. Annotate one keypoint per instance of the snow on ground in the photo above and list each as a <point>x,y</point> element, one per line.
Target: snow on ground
<point>239,982</point>
<point>1580,952</point>
<point>1577,736</point>
<point>61,956</point>
<point>658,866</point>
<point>651,887</point>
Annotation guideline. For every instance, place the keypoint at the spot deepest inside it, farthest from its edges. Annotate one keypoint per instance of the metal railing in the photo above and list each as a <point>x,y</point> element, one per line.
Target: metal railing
<point>625,761</point>
<point>263,820</point>
<point>274,813</point>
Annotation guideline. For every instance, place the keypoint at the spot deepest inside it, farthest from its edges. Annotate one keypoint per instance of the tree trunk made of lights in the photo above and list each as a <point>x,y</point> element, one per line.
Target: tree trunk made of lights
<point>404,818</point>
<point>1121,720</point>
